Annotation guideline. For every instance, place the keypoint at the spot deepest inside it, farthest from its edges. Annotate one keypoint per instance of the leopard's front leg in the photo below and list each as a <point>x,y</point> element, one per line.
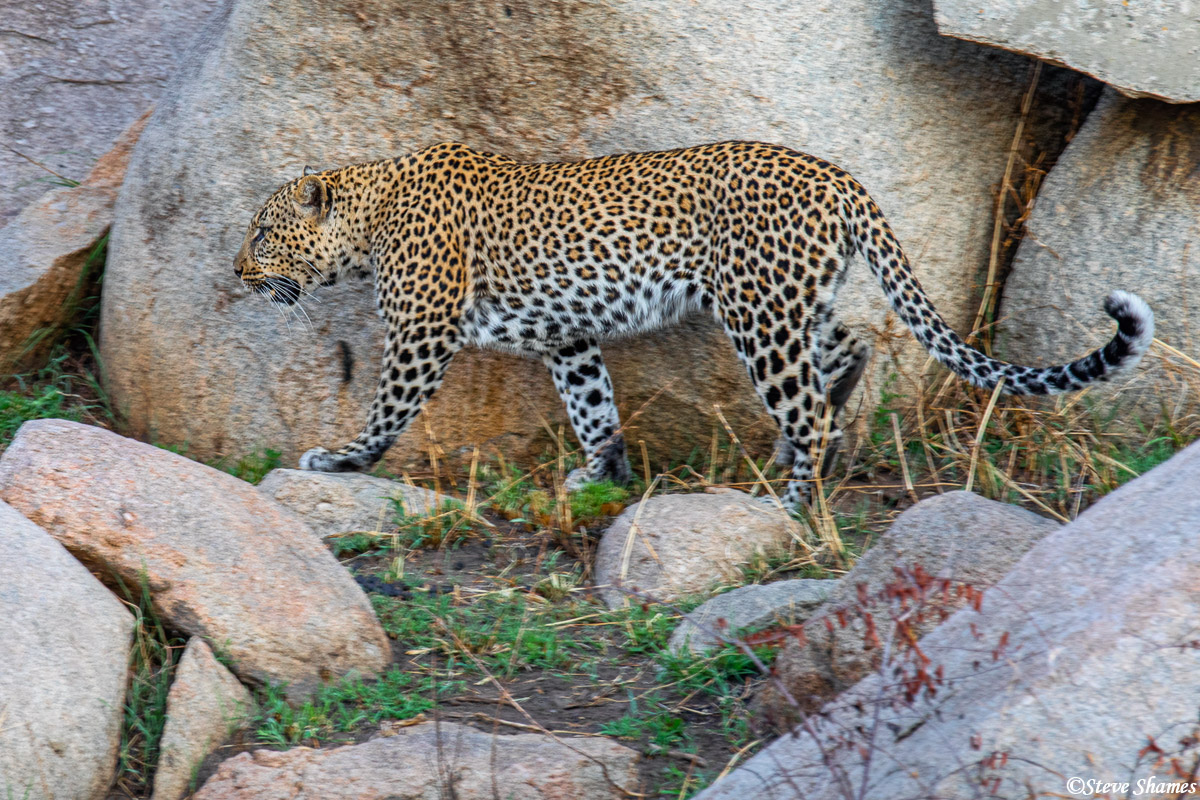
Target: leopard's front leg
<point>416,354</point>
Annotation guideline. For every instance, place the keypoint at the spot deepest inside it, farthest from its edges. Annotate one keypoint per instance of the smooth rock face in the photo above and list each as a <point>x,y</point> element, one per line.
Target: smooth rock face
<point>63,665</point>
<point>747,607</point>
<point>1118,211</point>
<point>44,252</point>
<point>1081,655</point>
<point>695,541</point>
<point>221,561</point>
<point>957,535</point>
<point>1143,49</point>
<point>74,75</point>
<point>335,503</point>
<point>205,705</point>
<point>925,124</point>
<point>466,763</point>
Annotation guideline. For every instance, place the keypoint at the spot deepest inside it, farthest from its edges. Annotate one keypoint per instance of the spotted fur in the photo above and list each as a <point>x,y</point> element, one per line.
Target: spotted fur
<point>551,259</point>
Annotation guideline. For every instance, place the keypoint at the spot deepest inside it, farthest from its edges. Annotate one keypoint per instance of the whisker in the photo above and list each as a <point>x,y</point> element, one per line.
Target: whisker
<point>300,313</point>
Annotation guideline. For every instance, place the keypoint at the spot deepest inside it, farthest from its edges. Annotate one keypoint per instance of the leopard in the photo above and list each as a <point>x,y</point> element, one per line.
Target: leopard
<point>552,259</point>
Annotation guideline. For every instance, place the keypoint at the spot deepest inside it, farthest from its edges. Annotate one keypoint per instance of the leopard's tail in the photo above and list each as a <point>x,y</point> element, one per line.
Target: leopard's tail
<point>874,239</point>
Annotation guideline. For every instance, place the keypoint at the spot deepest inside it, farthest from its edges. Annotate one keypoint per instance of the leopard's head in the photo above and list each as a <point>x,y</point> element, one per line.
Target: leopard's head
<point>299,239</point>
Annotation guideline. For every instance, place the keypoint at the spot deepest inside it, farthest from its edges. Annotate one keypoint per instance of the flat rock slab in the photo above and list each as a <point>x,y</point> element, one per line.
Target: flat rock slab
<point>1143,49</point>
<point>673,546</point>
<point>220,560</point>
<point>748,607</point>
<point>205,705</point>
<point>960,536</point>
<point>44,253</point>
<point>1081,657</point>
<point>432,760</point>
<point>334,503</point>
<point>64,657</point>
<point>923,121</point>
<point>1118,211</point>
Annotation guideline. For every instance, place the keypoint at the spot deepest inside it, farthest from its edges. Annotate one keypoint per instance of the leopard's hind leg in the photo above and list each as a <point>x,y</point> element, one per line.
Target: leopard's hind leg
<point>843,359</point>
<point>586,390</point>
<point>784,366</point>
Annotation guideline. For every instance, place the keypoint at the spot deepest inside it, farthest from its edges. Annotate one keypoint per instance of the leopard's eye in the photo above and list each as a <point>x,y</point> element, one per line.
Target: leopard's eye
<point>258,237</point>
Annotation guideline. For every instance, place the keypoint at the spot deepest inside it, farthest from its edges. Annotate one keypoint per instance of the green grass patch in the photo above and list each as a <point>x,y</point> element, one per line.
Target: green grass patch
<point>603,499</point>
<point>341,708</point>
<point>17,408</point>
<point>152,661</point>
<point>506,632</point>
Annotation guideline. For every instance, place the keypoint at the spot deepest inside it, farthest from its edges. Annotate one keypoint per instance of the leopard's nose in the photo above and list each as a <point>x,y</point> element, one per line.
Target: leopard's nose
<point>237,269</point>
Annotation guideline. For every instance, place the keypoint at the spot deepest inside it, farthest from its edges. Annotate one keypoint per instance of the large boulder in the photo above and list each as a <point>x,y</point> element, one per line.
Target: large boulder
<point>73,76</point>
<point>433,760</point>
<point>1118,211</point>
<point>958,536</point>
<point>1143,49</point>
<point>1080,666</point>
<point>63,669</point>
<point>193,357</point>
<point>220,560</point>
<point>205,705</point>
<point>46,254</point>
<point>677,545</point>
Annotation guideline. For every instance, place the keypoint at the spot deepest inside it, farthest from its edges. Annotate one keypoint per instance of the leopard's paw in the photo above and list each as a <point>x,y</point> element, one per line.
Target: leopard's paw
<point>577,479</point>
<point>319,459</point>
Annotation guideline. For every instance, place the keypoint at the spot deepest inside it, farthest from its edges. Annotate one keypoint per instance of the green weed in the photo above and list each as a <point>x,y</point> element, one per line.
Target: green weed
<point>17,408</point>
<point>603,499</point>
<point>682,784</point>
<point>152,662</point>
<point>447,526</point>
<point>650,720</point>
<point>506,633</point>
<point>254,467</point>
<point>340,708</point>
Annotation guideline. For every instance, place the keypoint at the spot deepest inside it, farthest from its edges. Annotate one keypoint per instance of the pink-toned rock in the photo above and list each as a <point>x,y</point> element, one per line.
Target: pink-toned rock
<point>44,252</point>
<point>433,760</point>
<point>205,705</point>
<point>220,560</point>
<point>684,544</point>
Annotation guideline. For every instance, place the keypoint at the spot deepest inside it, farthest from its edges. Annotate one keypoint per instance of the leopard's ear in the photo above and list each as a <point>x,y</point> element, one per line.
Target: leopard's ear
<point>309,171</point>
<point>312,198</point>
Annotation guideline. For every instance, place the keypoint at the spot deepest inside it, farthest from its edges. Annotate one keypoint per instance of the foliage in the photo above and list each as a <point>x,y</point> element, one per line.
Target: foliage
<point>340,708</point>
<point>152,662</point>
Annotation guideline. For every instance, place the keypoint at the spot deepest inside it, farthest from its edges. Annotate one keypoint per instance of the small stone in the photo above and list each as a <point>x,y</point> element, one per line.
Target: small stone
<point>685,544</point>
<point>205,706</point>
<point>785,602</point>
